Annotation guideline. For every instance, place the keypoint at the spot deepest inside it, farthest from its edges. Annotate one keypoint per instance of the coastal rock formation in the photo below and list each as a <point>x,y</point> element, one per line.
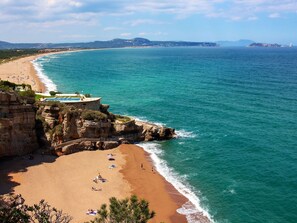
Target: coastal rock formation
<point>68,129</point>
<point>17,126</point>
<point>62,129</point>
<point>152,131</point>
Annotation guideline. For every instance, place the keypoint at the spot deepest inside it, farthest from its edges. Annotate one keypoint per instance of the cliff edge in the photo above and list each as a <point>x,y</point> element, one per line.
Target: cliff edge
<point>17,125</point>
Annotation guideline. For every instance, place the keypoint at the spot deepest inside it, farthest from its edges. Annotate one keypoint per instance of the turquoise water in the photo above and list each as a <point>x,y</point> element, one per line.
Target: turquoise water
<point>234,109</point>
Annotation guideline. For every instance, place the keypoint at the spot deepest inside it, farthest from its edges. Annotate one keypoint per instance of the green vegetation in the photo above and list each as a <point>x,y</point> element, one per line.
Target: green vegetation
<point>18,212</point>
<point>129,210</point>
<point>28,93</point>
<point>53,93</point>
<point>58,130</point>
<point>123,119</point>
<point>7,85</point>
<point>8,55</point>
<point>93,115</point>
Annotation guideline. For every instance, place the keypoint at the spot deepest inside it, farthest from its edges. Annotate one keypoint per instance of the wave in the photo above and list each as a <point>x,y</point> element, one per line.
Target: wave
<point>185,134</point>
<point>180,133</point>
<point>49,84</point>
<point>144,119</point>
<point>192,209</point>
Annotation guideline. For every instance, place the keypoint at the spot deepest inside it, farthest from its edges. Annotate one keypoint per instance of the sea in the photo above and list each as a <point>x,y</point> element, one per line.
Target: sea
<point>234,111</point>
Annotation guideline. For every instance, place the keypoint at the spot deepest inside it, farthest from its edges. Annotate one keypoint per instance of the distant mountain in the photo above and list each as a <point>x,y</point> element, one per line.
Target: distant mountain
<point>242,43</point>
<point>115,43</point>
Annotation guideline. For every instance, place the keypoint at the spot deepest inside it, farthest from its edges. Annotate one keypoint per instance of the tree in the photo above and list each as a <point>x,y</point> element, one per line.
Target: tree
<point>13,210</point>
<point>129,210</point>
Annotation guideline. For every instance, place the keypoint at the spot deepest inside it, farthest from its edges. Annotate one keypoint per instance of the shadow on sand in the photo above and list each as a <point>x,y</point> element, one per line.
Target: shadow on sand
<point>9,166</point>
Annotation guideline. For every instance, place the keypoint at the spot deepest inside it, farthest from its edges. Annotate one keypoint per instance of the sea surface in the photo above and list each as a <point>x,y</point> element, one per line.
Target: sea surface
<point>234,109</point>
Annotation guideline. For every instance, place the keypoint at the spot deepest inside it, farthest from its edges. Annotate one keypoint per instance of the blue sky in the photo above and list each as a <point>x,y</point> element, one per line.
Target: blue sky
<point>191,20</point>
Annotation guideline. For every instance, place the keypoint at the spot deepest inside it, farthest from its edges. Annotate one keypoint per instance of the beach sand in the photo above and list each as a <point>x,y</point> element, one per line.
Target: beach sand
<point>148,184</point>
<point>66,182</point>
<point>21,71</point>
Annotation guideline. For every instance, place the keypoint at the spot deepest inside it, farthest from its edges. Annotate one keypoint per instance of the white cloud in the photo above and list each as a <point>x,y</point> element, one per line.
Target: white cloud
<point>144,22</point>
<point>78,36</point>
<point>111,28</point>
<point>274,15</point>
<point>152,34</point>
<point>125,34</point>
<point>40,11</point>
<point>252,18</point>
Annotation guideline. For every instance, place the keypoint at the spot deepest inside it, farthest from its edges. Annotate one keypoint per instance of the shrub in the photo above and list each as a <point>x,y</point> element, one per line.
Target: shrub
<point>126,210</point>
<point>122,118</point>
<point>28,93</point>
<point>53,93</point>
<point>93,115</point>
<point>58,130</point>
<point>18,212</point>
<point>7,85</point>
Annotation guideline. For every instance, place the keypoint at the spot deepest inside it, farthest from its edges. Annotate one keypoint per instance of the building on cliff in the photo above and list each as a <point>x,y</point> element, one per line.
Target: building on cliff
<point>77,100</point>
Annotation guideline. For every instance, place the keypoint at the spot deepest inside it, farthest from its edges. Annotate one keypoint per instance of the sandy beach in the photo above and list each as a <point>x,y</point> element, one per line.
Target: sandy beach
<point>21,71</point>
<point>150,185</point>
<point>66,182</point>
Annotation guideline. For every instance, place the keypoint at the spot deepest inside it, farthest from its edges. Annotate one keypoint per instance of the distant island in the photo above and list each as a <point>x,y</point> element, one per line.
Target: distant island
<point>273,45</point>
<point>115,43</point>
<point>236,43</point>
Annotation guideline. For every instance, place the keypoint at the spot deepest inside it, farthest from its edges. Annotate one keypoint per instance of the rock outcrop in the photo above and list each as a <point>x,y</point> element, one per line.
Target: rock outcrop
<point>17,126</point>
<point>68,130</point>
<point>62,129</point>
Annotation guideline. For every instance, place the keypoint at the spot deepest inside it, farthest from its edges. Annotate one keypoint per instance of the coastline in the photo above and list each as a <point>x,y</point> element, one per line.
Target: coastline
<point>148,184</point>
<point>67,179</point>
<point>23,70</point>
<point>172,199</point>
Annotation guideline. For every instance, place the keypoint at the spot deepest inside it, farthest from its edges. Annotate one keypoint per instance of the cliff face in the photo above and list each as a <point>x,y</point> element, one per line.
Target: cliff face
<point>17,126</point>
<point>69,130</point>
<point>63,129</point>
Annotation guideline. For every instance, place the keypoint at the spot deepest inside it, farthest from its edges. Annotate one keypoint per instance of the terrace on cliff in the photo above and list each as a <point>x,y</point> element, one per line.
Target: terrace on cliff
<point>65,123</point>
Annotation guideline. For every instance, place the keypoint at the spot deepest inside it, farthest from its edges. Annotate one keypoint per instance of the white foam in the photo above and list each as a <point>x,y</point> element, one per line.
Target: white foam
<point>185,134</point>
<point>191,208</point>
<point>49,84</point>
<point>144,119</point>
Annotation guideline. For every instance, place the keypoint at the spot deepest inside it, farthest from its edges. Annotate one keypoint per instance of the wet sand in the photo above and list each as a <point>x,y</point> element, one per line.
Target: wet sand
<point>148,184</point>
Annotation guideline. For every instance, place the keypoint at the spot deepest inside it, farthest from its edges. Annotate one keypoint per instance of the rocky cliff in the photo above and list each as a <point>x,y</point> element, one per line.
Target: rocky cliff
<point>67,129</point>
<point>60,129</point>
<point>17,126</point>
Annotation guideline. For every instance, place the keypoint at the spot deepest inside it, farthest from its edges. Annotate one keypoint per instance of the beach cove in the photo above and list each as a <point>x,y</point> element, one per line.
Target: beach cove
<point>66,182</point>
<point>233,110</point>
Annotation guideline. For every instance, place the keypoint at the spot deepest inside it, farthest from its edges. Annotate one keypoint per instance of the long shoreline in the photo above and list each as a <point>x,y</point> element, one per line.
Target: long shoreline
<point>147,183</point>
<point>172,198</point>
<point>24,67</point>
<point>23,71</point>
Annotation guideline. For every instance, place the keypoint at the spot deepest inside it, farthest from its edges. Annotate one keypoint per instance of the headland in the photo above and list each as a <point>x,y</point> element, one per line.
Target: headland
<point>67,182</point>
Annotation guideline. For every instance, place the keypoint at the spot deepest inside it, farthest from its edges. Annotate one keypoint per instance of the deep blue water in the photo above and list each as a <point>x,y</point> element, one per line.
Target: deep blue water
<point>235,108</point>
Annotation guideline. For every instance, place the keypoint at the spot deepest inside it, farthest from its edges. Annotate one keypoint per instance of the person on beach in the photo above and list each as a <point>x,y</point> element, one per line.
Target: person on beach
<point>141,166</point>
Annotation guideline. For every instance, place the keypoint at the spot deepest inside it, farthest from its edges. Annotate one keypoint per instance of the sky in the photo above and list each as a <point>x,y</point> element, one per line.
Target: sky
<point>268,21</point>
